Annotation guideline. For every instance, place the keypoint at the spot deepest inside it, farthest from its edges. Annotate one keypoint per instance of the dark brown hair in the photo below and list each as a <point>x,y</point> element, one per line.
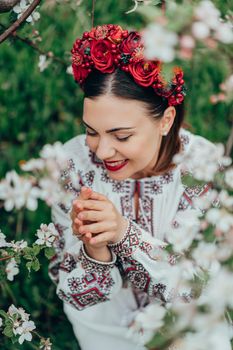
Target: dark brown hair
<point>122,85</point>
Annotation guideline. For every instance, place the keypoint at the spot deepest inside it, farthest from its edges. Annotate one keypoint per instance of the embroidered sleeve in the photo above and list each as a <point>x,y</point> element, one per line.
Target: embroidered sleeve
<point>145,262</point>
<point>81,281</point>
<point>86,282</point>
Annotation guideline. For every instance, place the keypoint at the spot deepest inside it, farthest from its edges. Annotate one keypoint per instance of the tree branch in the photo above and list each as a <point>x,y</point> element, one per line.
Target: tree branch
<point>19,21</point>
<point>36,48</point>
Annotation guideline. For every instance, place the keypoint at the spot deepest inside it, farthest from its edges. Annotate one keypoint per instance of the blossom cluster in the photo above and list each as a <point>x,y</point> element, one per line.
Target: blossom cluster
<point>22,6</point>
<point>11,252</point>
<point>16,324</point>
<point>203,247</point>
<point>44,183</point>
<point>205,26</point>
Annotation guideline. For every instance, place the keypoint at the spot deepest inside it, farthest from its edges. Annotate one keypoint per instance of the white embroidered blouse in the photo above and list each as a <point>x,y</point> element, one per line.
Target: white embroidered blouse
<point>109,292</point>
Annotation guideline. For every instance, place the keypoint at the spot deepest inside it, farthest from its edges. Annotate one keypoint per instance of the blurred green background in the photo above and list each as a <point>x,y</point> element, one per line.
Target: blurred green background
<point>42,107</point>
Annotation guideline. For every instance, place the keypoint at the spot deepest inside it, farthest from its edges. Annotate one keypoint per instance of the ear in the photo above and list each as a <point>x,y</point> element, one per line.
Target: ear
<point>167,120</point>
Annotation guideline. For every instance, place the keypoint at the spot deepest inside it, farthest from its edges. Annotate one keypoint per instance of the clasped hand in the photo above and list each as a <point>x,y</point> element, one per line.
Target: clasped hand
<point>95,219</point>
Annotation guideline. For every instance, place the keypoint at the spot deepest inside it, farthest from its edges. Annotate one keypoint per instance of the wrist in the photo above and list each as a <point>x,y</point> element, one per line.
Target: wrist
<point>101,253</point>
<point>123,229</point>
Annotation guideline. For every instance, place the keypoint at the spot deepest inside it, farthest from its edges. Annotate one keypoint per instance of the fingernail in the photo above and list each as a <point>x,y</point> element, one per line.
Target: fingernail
<point>81,216</point>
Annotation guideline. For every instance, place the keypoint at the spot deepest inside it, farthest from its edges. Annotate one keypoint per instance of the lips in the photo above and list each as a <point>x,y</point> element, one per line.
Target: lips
<point>115,165</point>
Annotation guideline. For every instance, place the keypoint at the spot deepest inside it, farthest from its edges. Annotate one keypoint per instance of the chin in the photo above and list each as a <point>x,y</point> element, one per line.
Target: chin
<point>118,177</point>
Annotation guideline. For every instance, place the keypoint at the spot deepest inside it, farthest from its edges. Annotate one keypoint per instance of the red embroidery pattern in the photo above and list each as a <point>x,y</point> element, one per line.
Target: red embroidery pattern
<point>189,194</point>
<point>129,243</point>
<point>92,287</point>
<point>68,264</point>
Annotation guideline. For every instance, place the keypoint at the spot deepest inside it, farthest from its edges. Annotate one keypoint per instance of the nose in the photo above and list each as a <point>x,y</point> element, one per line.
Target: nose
<point>105,149</point>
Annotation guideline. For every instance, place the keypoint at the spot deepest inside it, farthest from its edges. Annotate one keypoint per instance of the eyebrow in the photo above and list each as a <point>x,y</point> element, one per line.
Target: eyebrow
<point>111,130</point>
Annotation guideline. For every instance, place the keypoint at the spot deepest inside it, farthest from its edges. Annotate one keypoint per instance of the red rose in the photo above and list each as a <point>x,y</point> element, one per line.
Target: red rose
<point>144,73</point>
<point>129,44</point>
<point>116,34</point>
<point>99,32</point>
<point>79,73</point>
<point>102,56</point>
<point>84,48</point>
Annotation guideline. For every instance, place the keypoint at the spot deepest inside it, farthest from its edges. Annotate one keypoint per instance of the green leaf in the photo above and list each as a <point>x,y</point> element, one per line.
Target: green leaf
<point>28,257</point>
<point>8,332</point>
<point>3,313</point>
<point>35,264</point>
<point>36,249</point>
<point>49,252</point>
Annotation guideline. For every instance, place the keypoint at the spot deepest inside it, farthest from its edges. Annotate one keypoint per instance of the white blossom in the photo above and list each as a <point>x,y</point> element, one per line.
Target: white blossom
<point>22,6</point>
<point>18,246</point>
<point>43,62</point>
<point>69,70</point>
<point>208,13</point>
<point>1,322</point>
<point>25,331</point>
<point>205,256</point>
<point>33,164</point>
<point>215,338</point>
<point>195,159</point>
<point>56,152</point>
<point>46,235</point>
<point>181,237</point>
<point>45,344</point>
<point>187,42</point>
<point>221,218</point>
<point>148,321</point>
<point>220,284</point>
<point>200,30</point>
<point>13,310</point>
<point>224,33</point>
<point>12,269</point>
<point>18,192</point>
<point>159,43</point>
<point>3,242</point>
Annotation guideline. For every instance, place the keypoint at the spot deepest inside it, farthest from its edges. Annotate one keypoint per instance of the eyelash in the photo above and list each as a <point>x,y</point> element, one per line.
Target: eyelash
<point>118,139</point>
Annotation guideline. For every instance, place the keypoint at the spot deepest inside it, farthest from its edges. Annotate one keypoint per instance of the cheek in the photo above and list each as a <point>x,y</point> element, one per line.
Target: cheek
<point>92,143</point>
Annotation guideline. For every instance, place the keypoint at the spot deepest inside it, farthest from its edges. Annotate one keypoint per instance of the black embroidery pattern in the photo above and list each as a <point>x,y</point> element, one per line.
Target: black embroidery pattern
<point>88,177</point>
<point>145,220</point>
<point>92,287</point>
<point>68,264</point>
<point>129,242</point>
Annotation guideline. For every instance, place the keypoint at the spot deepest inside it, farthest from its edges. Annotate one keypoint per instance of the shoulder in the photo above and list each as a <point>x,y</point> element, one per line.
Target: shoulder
<point>76,145</point>
<point>192,141</point>
<point>77,151</point>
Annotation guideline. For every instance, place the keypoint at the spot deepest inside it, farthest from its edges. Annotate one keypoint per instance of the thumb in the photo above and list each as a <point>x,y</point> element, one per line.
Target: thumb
<point>85,193</point>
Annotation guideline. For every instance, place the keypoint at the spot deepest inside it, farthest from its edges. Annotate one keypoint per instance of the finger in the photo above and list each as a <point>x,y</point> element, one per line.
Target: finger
<point>85,192</point>
<point>104,237</point>
<point>91,215</point>
<point>98,196</point>
<point>92,204</point>
<point>97,227</point>
<point>77,207</point>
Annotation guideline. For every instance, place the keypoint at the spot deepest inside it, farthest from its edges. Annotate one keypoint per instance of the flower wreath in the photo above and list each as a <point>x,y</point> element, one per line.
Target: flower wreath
<point>109,47</point>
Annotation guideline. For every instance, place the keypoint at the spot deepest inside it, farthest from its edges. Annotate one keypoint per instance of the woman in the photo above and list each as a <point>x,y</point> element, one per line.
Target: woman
<point>107,259</point>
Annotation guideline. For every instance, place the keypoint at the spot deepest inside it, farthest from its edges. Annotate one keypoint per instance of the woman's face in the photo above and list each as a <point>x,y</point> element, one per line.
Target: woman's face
<point>121,134</point>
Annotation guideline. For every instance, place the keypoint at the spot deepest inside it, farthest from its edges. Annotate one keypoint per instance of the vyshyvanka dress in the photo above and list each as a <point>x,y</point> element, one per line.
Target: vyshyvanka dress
<point>101,299</point>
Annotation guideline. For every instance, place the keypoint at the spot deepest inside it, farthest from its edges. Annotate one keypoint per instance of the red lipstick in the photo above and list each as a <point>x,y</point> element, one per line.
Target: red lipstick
<point>115,167</point>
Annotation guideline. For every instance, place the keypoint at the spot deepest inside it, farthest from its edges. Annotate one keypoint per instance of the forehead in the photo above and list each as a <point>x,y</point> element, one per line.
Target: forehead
<point>114,112</point>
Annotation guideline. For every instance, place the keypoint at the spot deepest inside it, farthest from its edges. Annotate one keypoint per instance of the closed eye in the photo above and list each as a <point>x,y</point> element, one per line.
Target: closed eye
<point>121,139</point>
